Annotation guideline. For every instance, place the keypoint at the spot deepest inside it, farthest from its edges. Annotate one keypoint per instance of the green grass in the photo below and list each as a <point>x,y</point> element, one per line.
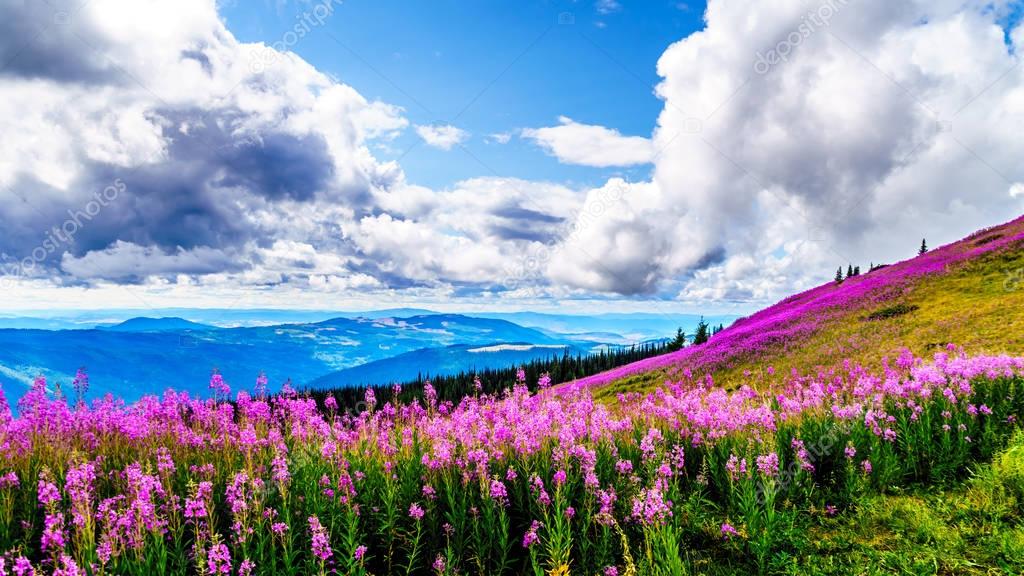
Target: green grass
<point>975,527</point>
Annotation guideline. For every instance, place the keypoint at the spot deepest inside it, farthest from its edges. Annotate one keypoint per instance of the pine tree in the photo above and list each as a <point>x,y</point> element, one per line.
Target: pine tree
<point>924,247</point>
<point>703,333</point>
<point>678,342</point>
<point>856,270</point>
<point>839,275</point>
<point>849,271</point>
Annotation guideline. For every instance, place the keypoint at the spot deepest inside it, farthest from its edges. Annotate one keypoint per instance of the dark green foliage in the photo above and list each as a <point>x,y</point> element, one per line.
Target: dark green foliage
<point>924,247</point>
<point>703,333</point>
<point>839,274</point>
<point>892,311</point>
<point>678,342</point>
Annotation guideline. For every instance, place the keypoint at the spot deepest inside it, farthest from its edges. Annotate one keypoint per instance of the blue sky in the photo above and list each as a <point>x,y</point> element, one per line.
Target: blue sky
<point>490,67</point>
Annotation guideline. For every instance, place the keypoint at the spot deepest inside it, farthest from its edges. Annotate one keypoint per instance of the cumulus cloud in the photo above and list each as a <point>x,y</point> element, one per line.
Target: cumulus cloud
<point>442,136</point>
<point>794,138</point>
<point>221,147</point>
<point>860,125</point>
<point>589,145</point>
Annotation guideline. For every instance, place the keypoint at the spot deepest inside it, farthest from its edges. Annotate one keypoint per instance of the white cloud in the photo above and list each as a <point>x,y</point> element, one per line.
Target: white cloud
<point>896,121</point>
<point>589,145</point>
<point>500,137</point>
<point>442,136</point>
<point>608,6</point>
<point>884,126</point>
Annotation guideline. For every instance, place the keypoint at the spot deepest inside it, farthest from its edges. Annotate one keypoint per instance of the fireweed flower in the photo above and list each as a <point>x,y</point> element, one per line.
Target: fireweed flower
<point>651,508</point>
<point>47,492</point>
<point>531,537</point>
<point>218,560</point>
<point>220,388</point>
<point>280,472</point>
<point>768,464</point>
<point>359,553</point>
<point>416,512</point>
<point>498,492</point>
<point>611,571</point>
<point>9,480</point>
<point>850,451</point>
<point>544,381</point>
<point>866,466</point>
<point>439,564</point>
<point>321,544</point>
<point>728,531</point>
<point>164,462</point>
<point>261,385</point>
<point>331,403</point>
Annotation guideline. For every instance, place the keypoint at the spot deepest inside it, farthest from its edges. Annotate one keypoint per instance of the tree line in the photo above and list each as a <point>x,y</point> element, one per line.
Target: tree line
<point>558,368</point>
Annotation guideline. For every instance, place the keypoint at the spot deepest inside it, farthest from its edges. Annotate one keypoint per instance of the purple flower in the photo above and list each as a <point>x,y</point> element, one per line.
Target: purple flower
<point>218,560</point>
<point>48,492</point>
<point>416,512</point>
<point>728,531</point>
<point>360,553</point>
<point>531,537</point>
<point>321,544</point>
<point>768,464</point>
<point>498,492</point>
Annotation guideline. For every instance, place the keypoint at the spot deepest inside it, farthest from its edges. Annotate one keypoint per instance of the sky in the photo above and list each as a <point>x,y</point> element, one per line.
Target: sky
<point>587,155</point>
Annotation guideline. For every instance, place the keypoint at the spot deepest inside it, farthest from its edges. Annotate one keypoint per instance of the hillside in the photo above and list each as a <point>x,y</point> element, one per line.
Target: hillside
<point>970,293</point>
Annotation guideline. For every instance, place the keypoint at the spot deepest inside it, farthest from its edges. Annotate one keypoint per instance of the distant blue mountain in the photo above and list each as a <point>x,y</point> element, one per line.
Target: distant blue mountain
<point>143,324</point>
<point>441,361</point>
<point>630,327</point>
<point>180,354</point>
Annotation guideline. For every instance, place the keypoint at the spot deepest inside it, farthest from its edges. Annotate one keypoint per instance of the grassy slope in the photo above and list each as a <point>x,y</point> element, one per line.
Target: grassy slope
<point>976,527</point>
<point>977,303</point>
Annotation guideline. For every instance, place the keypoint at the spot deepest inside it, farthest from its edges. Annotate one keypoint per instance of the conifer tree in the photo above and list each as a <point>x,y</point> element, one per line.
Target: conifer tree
<point>839,275</point>
<point>679,341</point>
<point>849,270</point>
<point>703,333</point>
<point>924,247</point>
<point>856,270</point>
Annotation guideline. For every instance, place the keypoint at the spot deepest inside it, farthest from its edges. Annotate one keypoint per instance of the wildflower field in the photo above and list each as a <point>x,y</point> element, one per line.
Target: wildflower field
<point>837,433</point>
<point>534,483</point>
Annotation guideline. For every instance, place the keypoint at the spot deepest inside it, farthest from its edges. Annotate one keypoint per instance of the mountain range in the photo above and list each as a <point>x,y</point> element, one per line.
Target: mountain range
<point>138,355</point>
